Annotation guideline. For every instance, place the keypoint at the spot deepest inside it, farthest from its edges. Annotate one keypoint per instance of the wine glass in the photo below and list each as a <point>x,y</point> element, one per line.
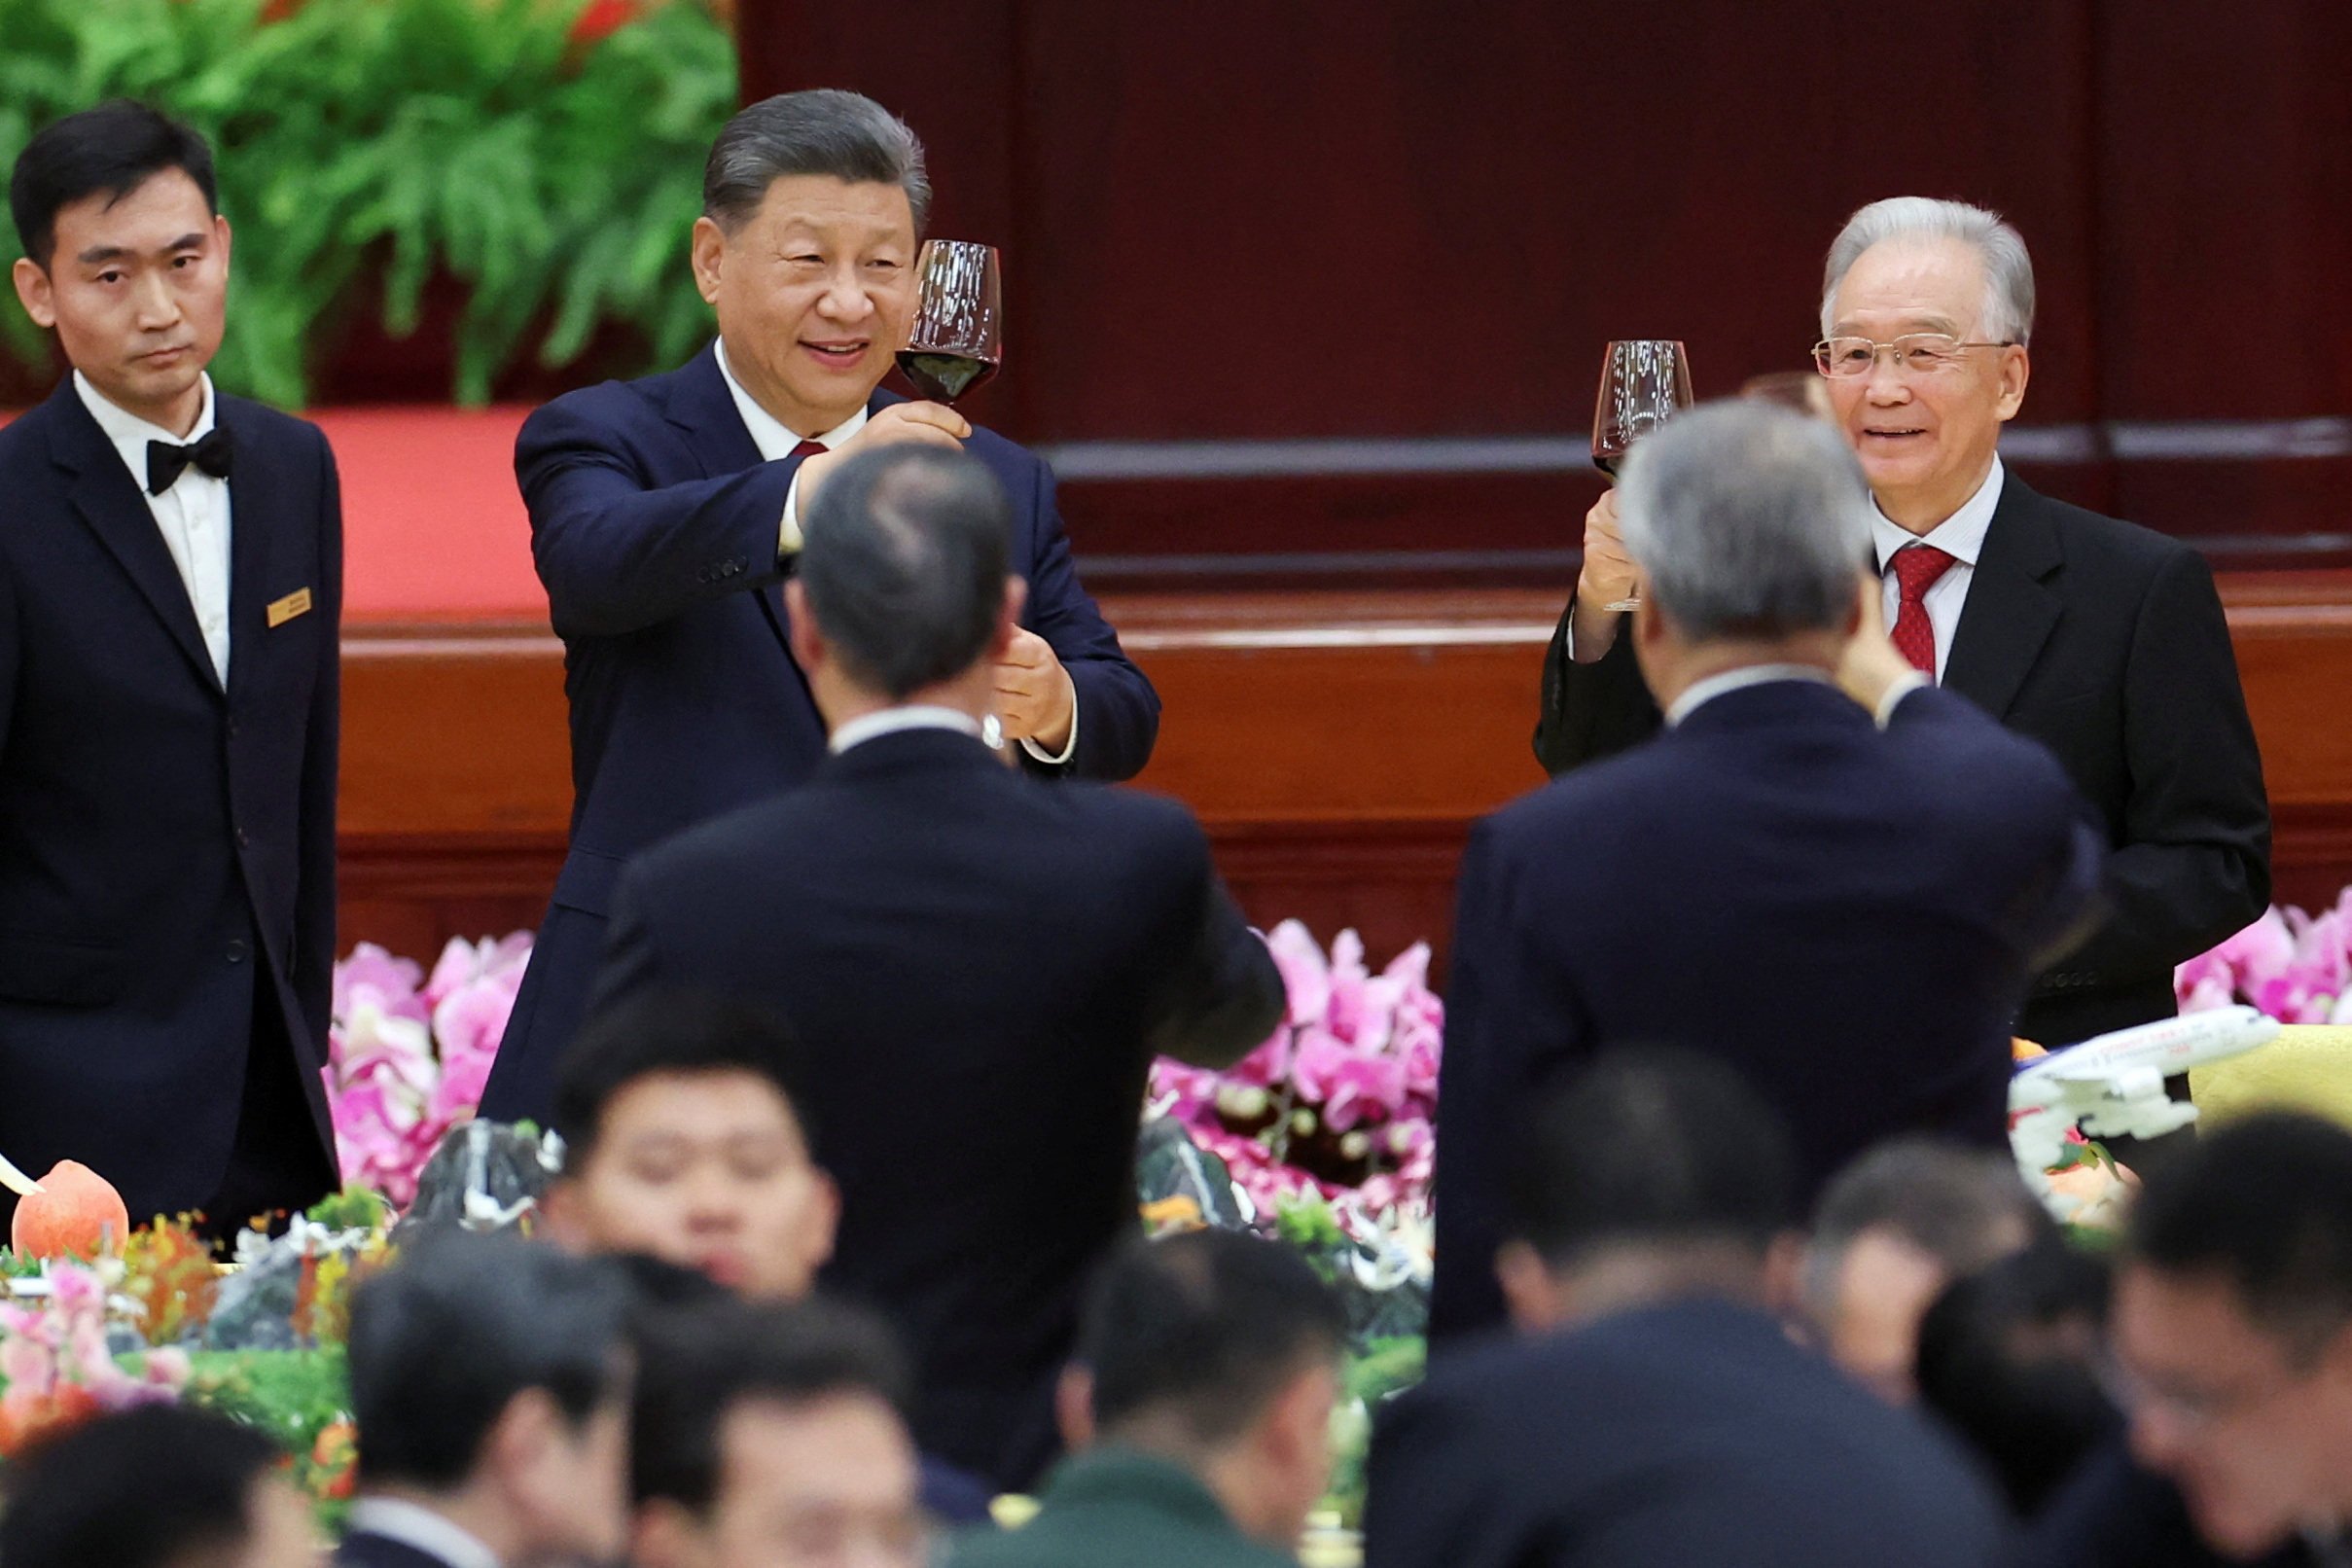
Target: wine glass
<point>957,338</point>
<point>1645,381</point>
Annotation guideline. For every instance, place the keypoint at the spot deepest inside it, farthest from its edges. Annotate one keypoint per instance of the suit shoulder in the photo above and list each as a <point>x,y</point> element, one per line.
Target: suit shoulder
<point>1010,461</point>
<point>268,423</point>
<point>2106,543</point>
<point>606,403</point>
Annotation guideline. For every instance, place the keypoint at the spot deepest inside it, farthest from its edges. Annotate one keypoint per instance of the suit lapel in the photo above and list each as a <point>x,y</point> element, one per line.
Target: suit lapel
<point>704,414</point>
<point>256,532</point>
<point>2011,610</point>
<point>115,509</point>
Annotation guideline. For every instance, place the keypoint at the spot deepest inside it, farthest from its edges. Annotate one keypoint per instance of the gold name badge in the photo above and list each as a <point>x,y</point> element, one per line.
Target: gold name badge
<point>286,609</point>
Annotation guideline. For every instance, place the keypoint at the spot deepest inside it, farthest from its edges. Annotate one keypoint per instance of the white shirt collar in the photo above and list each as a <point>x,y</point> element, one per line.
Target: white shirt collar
<point>1700,692</point>
<point>770,434</point>
<point>414,1525</point>
<point>131,433</point>
<point>1961,536</point>
<point>890,721</point>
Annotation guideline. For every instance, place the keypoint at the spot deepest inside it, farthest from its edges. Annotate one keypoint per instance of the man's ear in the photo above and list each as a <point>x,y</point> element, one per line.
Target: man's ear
<point>826,1226</point>
<point>1536,1300</point>
<point>559,1214</point>
<point>708,250</point>
<point>1784,1277</point>
<point>34,293</point>
<point>1074,1408</point>
<point>219,233</point>
<point>1007,620</point>
<point>530,1426</point>
<point>808,641</point>
<point>2017,369</point>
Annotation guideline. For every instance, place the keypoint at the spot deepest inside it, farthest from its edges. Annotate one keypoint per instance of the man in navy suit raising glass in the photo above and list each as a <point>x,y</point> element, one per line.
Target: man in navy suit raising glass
<point>665,515</point>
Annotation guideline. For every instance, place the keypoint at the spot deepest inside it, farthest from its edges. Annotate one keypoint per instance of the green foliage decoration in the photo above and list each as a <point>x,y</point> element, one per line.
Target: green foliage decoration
<point>552,166</point>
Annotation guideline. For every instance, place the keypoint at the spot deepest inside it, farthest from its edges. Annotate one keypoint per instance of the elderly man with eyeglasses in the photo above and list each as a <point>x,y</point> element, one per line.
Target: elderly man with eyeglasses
<point>2102,640</point>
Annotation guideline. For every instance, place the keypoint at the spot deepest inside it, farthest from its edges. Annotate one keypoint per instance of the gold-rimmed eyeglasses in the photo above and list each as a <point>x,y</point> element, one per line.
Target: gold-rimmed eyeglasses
<point>1922,354</point>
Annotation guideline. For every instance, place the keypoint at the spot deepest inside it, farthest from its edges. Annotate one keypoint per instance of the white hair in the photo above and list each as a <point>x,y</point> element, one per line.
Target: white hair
<point>2009,271</point>
<point>1747,520</point>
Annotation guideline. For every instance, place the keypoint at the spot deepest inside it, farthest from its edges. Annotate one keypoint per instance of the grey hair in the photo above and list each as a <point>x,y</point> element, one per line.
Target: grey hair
<point>903,559</point>
<point>1964,1207</point>
<point>1747,519</point>
<point>2009,271</point>
<point>845,136</point>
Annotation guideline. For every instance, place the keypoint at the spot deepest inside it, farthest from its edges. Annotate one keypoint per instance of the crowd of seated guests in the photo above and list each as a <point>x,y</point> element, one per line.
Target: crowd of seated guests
<point>1929,1366</point>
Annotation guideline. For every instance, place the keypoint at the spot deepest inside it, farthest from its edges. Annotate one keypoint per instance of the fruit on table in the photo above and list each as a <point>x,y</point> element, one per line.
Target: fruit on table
<point>76,1213</point>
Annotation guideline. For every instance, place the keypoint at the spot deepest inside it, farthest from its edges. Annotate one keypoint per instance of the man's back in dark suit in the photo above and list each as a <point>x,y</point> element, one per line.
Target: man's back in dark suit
<point>2105,642</point>
<point>1845,913</point>
<point>1682,1433</point>
<point>980,969</point>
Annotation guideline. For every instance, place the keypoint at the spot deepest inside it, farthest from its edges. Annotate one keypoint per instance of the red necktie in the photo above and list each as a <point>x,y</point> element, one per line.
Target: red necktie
<point>1916,569</point>
<point>808,449</point>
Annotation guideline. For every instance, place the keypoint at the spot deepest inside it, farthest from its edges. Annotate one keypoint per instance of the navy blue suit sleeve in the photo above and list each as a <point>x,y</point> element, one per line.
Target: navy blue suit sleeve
<point>618,554</point>
<point>1427,1498</point>
<point>1591,711</point>
<point>2056,892</point>
<point>313,976</point>
<point>1504,1032</point>
<point>2194,864</point>
<point>633,964</point>
<point>1222,996</point>
<point>1118,711</point>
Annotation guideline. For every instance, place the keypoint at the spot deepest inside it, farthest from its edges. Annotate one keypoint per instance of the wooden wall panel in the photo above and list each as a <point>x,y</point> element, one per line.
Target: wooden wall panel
<point>1337,746</point>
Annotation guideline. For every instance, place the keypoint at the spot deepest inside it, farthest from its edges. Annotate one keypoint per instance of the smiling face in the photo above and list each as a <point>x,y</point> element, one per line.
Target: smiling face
<point>1926,440</point>
<point>813,291</point>
<point>2257,1438</point>
<point>137,290</point>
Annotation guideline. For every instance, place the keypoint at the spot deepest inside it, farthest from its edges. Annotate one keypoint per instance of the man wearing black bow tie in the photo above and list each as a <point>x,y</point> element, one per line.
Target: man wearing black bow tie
<point>170,581</point>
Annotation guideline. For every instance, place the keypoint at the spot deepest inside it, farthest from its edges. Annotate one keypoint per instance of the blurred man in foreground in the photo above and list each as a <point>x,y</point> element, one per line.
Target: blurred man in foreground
<point>2232,1326</point>
<point>490,1381</point>
<point>1199,1413</point>
<point>768,1436</point>
<point>1843,892</point>
<point>1891,1232</point>
<point>979,969</point>
<point>683,1140</point>
<point>1656,1412</point>
<point>2103,641</point>
<point>158,1486</point>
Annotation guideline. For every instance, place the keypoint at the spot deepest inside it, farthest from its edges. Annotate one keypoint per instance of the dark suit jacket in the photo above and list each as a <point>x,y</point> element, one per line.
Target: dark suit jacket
<point>2106,643</point>
<point>1688,1433</point>
<point>654,523</point>
<point>2114,1514</point>
<point>160,837</point>
<point>981,968</point>
<point>361,1550</point>
<point>1849,915</point>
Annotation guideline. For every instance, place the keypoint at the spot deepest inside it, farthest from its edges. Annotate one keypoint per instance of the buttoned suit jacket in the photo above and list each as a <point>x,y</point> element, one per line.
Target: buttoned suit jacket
<point>654,523</point>
<point>2106,643</point>
<point>162,837</point>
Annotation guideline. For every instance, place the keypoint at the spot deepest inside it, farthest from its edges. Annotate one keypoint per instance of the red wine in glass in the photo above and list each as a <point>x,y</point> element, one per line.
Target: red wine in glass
<point>956,341</point>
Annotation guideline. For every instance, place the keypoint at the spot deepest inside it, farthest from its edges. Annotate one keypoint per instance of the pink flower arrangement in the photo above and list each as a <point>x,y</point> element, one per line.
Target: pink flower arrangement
<point>1337,1103</point>
<point>2294,967</point>
<point>53,1359</point>
<point>409,1053</point>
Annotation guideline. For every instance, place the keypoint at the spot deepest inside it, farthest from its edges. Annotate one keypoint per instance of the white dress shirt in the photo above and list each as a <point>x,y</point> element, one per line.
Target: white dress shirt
<point>775,439</point>
<point>895,721</point>
<point>1961,536</point>
<point>192,516</point>
<point>422,1529</point>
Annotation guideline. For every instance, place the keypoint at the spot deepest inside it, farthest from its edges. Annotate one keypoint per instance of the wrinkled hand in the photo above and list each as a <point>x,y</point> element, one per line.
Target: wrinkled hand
<point>928,424</point>
<point>1870,665</point>
<point>1035,696</point>
<point>1607,577</point>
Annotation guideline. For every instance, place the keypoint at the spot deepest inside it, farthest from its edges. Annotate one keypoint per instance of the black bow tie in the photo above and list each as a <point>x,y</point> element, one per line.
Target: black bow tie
<point>166,463</point>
